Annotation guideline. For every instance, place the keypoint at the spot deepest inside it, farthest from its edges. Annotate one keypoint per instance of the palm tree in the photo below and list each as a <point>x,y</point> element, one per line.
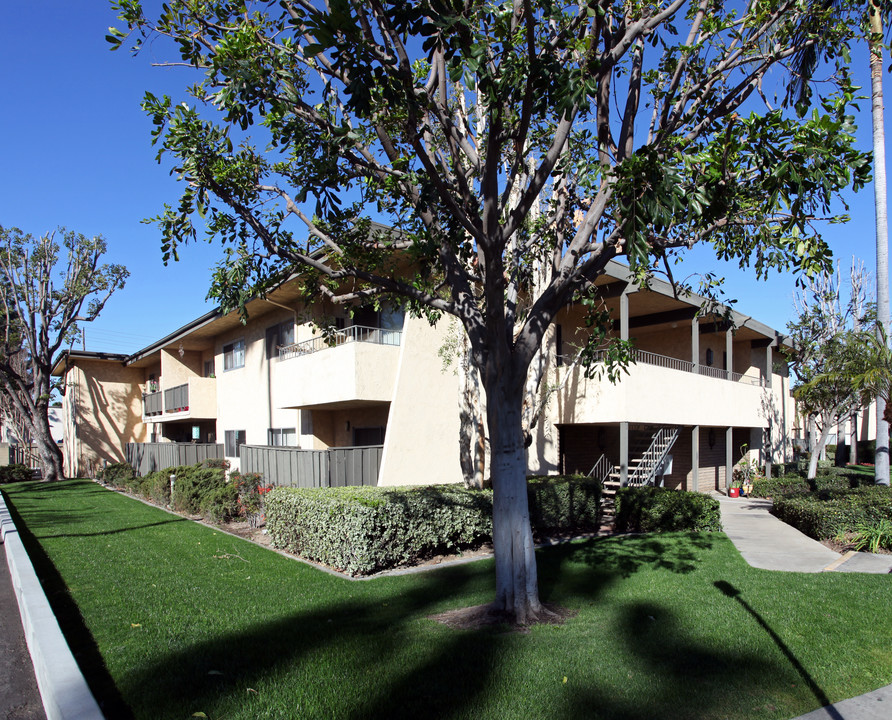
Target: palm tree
<point>803,67</point>
<point>875,47</point>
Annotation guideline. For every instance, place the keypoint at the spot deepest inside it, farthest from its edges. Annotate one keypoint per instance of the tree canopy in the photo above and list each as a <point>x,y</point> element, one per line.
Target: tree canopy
<point>43,300</point>
<point>514,149</point>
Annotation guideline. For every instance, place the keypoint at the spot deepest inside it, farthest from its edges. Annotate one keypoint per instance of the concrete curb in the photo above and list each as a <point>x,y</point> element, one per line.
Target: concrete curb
<point>62,686</point>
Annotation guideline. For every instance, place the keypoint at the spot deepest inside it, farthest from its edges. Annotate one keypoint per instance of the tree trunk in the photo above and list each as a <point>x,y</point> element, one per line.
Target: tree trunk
<point>882,231</point>
<point>471,434</point>
<point>517,592</point>
<point>49,452</point>
<point>819,448</point>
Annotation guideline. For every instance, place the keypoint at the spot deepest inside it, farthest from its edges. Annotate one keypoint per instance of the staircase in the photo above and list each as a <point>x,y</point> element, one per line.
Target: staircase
<point>647,453</point>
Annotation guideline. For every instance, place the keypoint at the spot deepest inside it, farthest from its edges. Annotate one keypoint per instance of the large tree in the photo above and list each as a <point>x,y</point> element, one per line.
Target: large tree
<point>43,299</point>
<point>835,354</point>
<point>805,63</point>
<point>633,129</point>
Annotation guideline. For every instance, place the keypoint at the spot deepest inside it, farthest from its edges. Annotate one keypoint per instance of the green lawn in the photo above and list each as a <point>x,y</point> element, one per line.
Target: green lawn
<point>172,618</point>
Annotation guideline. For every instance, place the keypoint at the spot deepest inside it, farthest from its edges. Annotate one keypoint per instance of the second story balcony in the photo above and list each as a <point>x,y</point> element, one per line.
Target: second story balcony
<point>194,399</point>
<point>350,367</point>
<point>662,389</point>
<point>345,336</point>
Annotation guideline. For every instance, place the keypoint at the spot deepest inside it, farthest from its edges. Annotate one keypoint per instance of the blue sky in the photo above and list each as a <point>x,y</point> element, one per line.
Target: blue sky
<point>76,152</point>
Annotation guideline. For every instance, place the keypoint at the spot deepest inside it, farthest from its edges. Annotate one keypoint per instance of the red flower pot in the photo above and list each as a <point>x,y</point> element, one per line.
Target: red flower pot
<point>733,492</point>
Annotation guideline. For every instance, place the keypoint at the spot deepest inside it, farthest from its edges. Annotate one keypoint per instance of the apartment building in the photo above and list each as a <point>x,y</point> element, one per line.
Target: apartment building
<point>701,392</point>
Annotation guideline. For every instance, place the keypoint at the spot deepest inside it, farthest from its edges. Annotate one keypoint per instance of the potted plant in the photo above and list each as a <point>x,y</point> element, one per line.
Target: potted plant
<point>734,489</point>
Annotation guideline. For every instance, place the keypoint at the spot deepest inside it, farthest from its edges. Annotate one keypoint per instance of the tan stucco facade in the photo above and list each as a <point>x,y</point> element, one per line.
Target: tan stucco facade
<point>718,383</point>
<point>101,411</point>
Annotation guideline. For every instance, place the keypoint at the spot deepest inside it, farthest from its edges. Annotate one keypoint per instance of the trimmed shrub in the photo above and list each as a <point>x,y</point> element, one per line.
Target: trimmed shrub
<point>827,513</point>
<point>15,473</point>
<point>116,474</point>
<point>155,487</point>
<point>774,487</point>
<point>220,503</point>
<point>653,509</point>
<point>192,483</point>
<point>564,503</point>
<point>360,530</point>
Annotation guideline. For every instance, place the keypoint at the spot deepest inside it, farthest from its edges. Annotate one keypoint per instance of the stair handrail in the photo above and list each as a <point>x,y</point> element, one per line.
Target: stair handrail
<point>652,458</point>
<point>601,469</point>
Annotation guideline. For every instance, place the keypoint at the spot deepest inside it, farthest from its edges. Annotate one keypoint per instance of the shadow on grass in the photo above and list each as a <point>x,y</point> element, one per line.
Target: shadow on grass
<point>728,590</point>
<point>360,657</point>
<point>609,559</point>
<point>79,638</point>
<point>325,653</point>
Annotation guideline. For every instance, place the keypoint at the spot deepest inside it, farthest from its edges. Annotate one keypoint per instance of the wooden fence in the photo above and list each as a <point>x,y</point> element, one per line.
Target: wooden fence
<point>293,467</point>
<point>148,457</point>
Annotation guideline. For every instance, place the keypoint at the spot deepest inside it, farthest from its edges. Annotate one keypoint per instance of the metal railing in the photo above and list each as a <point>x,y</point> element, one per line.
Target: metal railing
<point>653,457</point>
<point>671,363</point>
<point>715,372</point>
<point>354,333</point>
<point>176,399</point>
<point>601,470</point>
<point>748,379</point>
<point>152,403</point>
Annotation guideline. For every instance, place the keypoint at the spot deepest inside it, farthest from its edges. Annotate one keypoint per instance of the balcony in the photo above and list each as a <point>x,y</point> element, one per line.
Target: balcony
<point>642,357</point>
<point>355,333</point>
<point>196,399</point>
<point>350,368</point>
<point>663,390</point>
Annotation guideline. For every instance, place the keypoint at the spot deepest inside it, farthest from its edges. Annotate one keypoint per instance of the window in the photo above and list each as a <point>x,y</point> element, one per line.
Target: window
<point>558,346</point>
<point>368,436</point>
<point>710,357</point>
<point>234,441</point>
<point>209,368</point>
<point>234,355</point>
<point>282,437</point>
<point>279,336</point>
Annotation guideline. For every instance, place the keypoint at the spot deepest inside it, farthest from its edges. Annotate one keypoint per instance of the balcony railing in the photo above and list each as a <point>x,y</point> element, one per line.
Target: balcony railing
<point>354,333</point>
<point>648,358</point>
<point>176,399</point>
<point>151,403</point>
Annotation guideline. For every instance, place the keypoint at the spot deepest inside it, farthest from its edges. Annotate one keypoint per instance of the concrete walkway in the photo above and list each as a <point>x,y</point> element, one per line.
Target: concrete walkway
<point>766,542</point>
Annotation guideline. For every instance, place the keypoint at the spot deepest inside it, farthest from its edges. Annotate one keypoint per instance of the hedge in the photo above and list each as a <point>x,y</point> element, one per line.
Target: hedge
<point>360,530</point>
<point>653,509</point>
<point>828,512</point>
<point>16,472</point>
<point>564,503</point>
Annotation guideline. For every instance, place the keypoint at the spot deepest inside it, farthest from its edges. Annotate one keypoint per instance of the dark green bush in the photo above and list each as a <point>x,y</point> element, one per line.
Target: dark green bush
<point>15,473</point>
<point>220,503</point>
<point>117,474</point>
<point>829,512</point>
<point>564,503</point>
<point>220,463</point>
<point>360,530</point>
<point>765,488</point>
<point>192,484</point>
<point>652,509</point>
<point>155,487</point>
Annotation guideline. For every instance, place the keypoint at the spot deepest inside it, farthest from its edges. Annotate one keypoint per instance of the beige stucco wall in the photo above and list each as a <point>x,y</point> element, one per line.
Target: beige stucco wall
<point>101,411</point>
<point>356,371</point>
<point>176,370</point>
<point>422,431</point>
<point>246,395</point>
